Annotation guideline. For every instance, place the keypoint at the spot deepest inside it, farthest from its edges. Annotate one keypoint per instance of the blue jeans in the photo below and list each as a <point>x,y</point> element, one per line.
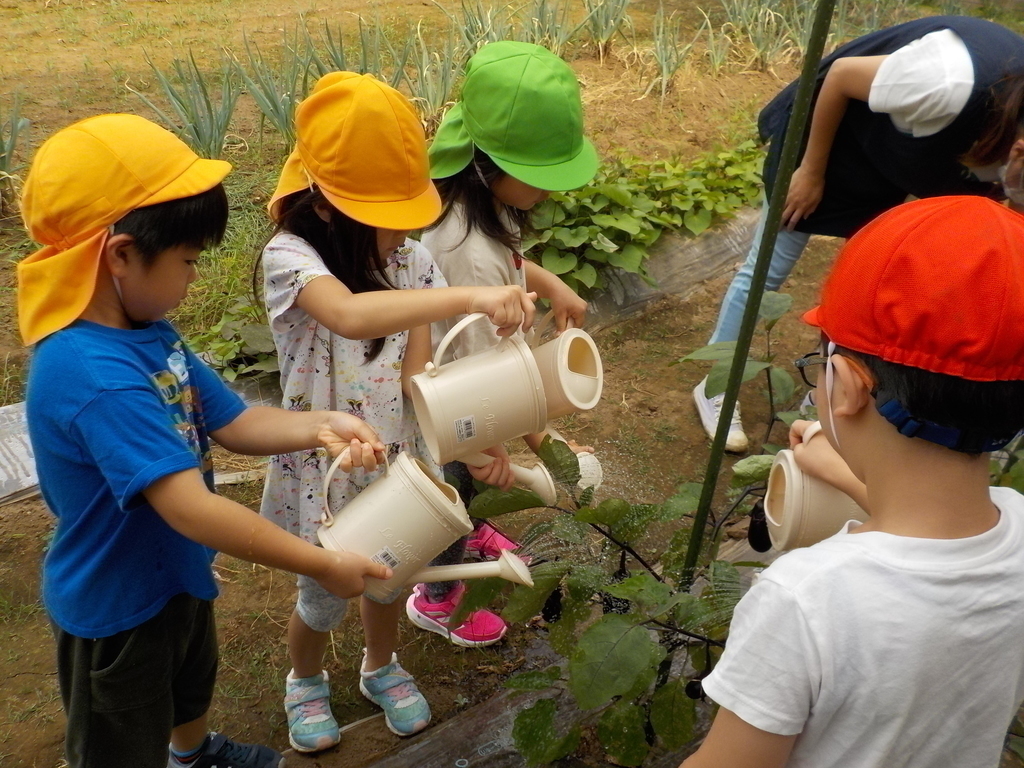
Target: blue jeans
<point>788,247</point>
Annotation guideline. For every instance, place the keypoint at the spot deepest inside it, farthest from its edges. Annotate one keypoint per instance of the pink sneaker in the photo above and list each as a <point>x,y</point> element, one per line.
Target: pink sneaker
<point>487,542</point>
<point>479,629</point>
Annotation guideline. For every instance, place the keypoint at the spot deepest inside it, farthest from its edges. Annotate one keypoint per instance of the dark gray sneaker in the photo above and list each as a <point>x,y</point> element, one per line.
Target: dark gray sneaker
<point>222,752</point>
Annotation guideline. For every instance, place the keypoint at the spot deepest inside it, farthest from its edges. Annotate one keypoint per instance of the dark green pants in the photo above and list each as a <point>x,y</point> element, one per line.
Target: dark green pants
<point>124,694</point>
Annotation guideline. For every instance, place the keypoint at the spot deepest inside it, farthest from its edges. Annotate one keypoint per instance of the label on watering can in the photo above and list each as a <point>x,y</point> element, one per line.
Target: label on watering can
<point>465,428</point>
<point>387,557</point>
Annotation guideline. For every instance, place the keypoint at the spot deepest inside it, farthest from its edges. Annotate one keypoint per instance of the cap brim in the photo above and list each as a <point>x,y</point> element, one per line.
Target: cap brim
<point>571,174</point>
<point>812,316</point>
<point>416,213</point>
<point>201,176</point>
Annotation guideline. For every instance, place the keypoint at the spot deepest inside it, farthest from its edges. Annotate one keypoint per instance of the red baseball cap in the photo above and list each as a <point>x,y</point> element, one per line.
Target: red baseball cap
<point>936,284</point>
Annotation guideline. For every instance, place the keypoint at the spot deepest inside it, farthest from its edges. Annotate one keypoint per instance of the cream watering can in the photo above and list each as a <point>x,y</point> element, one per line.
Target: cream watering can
<point>502,393</point>
<point>404,519</point>
<point>570,367</point>
<point>800,509</point>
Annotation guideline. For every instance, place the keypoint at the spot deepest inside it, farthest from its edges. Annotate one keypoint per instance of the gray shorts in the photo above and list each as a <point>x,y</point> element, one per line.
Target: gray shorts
<point>319,609</point>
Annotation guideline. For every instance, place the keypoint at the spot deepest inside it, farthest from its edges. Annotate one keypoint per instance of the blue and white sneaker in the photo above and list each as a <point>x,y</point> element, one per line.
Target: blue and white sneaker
<point>218,751</point>
<point>307,702</point>
<point>392,689</point>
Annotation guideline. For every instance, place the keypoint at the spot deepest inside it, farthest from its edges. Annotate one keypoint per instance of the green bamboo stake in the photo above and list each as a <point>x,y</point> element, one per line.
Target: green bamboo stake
<point>787,164</point>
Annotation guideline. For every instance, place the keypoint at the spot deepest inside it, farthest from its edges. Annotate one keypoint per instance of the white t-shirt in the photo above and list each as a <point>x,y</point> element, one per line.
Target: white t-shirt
<point>475,260</point>
<point>924,85</point>
<point>885,651</point>
<point>323,371</point>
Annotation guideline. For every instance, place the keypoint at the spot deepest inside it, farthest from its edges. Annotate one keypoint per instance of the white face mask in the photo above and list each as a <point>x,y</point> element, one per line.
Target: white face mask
<point>1013,188</point>
<point>830,380</point>
<point>117,283</point>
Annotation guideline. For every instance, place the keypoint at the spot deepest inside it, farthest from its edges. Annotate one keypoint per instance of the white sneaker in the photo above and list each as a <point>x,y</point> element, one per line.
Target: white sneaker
<point>806,404</point>
<point>710,410</point>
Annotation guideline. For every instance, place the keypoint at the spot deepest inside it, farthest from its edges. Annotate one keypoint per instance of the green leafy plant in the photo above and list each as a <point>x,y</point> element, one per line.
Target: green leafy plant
<point>1006,467</point>
<point>622,619</point>
<point>780,384</point>
<point>11,131</point>
<point>197,118</point>
<point>636,637</point>
<point>240,343</point>
<point>614,220</point>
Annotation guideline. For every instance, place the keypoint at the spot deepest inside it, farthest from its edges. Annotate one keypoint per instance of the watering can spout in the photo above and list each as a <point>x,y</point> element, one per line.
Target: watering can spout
<point>508,567</point>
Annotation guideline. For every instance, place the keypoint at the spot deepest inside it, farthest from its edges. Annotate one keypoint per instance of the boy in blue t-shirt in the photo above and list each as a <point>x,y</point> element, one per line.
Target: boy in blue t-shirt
<point>120,416</point>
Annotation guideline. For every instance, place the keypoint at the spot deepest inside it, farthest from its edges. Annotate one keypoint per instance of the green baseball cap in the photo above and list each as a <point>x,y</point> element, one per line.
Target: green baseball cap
<point>521,105</point>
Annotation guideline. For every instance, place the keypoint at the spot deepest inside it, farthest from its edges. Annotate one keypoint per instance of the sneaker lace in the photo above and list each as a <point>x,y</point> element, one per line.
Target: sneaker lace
<point>717,401</point>
<point>238,754</point>
<point>313,707</point>
<point>399,692</point>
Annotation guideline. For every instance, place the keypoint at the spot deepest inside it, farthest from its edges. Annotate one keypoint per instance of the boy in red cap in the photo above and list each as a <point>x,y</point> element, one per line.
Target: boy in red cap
<point>900,641</point>
<point>120,415</point>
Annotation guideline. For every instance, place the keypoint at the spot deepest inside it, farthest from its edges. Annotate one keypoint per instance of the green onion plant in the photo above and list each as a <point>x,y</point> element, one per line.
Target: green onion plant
<point>549,23</point>
<point>605,19</point>
<point>277,90</point>
<point>199,119</point>
<point>11,131</point>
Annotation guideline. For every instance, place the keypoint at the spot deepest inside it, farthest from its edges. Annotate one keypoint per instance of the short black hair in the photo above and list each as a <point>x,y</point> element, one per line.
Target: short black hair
<point>198,221</point>
<point>983,411</point>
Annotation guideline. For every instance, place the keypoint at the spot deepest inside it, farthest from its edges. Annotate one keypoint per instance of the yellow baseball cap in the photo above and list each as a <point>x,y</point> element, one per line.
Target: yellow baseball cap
<point>361,142</point>
<point>83,179</point>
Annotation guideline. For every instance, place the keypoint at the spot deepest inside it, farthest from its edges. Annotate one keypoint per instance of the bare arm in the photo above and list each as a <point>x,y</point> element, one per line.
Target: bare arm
<point>734,743</point>
<point>263,431</point>
<point>186,504</point>
<point>373,314</point>
<point>417,355</point>
<point>566,304</point>
<point>819,459</point>
<point>848,78</point>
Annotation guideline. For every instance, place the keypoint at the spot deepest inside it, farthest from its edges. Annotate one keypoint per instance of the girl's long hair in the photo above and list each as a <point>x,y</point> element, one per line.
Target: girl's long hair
<point>1005,123</point>
<point>347,247</point>
<point>471,188</point>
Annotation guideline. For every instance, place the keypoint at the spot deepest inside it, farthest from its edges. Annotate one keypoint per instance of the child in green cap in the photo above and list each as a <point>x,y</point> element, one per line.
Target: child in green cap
<point>515,136</point>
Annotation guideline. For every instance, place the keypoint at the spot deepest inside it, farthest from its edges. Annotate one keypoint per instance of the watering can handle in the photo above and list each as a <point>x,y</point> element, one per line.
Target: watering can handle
<point>327,518</point>
<point>533,339</point>
<point>431,368</point>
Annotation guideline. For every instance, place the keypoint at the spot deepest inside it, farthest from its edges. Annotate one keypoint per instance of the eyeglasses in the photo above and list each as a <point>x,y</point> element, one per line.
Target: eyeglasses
<point>807,367</point>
